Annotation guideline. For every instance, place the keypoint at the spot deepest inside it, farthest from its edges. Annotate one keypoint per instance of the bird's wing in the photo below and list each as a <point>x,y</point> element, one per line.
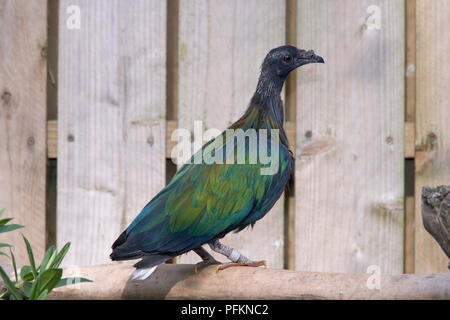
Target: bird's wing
<point>206,201</point>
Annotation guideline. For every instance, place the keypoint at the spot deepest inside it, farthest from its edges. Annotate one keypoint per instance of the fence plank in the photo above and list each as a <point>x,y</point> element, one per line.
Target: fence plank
<point>111,128</point>
<point>23,69</point>
<point>432,120</point>
<point>221,47</point>
<point>350,113</point>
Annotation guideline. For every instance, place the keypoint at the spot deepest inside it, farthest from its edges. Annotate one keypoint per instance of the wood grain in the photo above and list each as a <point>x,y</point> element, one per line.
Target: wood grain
<point>350,132</point>
<point>410,73</point>
<point>410,142</point>
<point>23,76</point>
<point>432,120</point>
<point>52,139</point>
<point>409,235</point>
<point>221,47</point>
<point>111,128</point>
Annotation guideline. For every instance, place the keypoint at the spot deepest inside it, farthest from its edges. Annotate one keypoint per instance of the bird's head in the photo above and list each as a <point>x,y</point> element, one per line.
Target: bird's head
<point>280,61</point>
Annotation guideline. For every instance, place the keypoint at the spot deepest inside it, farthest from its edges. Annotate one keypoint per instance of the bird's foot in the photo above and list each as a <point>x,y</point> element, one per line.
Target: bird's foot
<point>237,259</point>
<point>202,264</point>
<point>244,263</point>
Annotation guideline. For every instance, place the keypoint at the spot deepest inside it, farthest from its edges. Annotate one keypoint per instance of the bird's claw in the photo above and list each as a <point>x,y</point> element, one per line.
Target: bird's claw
<point>204,263</point>
<point>226,265</point>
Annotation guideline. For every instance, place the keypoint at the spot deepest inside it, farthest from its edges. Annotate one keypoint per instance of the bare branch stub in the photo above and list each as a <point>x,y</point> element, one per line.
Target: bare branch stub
<point>436,214</point>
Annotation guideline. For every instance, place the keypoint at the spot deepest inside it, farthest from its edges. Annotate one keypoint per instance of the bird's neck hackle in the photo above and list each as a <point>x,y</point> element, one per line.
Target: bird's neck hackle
<point>269,85</point>
<point>266,108</point>
<point>268,94</point>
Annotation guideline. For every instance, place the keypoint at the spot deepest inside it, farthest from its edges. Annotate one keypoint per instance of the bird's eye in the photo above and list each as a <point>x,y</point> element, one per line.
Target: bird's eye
<point>287,58</point>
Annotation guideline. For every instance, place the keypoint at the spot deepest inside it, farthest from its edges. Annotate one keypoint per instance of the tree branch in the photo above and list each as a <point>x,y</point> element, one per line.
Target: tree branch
<point>180,282</point>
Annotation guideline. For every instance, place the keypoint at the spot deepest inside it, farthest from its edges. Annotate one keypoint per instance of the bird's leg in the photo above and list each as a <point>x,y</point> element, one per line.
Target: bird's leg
<point>235,256</point>
<point>207,259</point>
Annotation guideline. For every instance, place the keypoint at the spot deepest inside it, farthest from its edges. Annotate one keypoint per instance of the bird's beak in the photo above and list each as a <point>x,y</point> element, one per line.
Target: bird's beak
<point>306,57</point>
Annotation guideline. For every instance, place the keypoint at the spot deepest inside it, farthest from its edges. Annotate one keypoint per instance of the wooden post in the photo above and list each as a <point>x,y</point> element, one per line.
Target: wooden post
<point>23,75</point>
<point>350,137</point>
<point>181,282</point>
<point>410,131</point>
<point>432,119</point>
<point>290,115</point>
<point>111,126</point>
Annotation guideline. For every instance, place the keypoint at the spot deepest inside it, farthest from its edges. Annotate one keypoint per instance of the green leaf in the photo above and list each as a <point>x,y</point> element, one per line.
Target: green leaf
<point>72,280</point>
<point>1,211</point>
<point>30,257</point>
<point>5,221</point>
<point>49,279</point>
<point>14,264</point>
<point>43,295</point>
<point>10,227</point>
<point>2,245</point>
<point>60,256</point>
<point>26,274</point>
<point>27,288</point>
<point>34,292</point>
<point>9,285</point>
<point>3,254</point>
<point>48,259</point>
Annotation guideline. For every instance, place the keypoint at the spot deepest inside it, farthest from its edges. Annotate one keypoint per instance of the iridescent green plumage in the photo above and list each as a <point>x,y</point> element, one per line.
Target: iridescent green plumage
<point>203,202</point>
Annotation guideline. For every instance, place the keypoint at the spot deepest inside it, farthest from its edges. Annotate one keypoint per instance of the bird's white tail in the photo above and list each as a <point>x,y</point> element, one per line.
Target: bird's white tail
<point>142,274</point>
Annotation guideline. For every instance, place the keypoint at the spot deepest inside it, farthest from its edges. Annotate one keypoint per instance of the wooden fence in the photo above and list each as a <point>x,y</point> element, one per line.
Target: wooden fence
<point>91,92</point>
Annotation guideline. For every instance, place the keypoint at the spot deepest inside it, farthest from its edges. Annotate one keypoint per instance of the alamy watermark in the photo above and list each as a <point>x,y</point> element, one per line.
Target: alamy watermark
<point>374,280</point>
<point>73,21</point>
<point>232,146</point>
<point>373,18</point>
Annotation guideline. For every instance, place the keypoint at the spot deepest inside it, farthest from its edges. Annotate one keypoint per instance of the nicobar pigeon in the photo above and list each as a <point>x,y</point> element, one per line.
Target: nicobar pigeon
<point>203,202</point>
